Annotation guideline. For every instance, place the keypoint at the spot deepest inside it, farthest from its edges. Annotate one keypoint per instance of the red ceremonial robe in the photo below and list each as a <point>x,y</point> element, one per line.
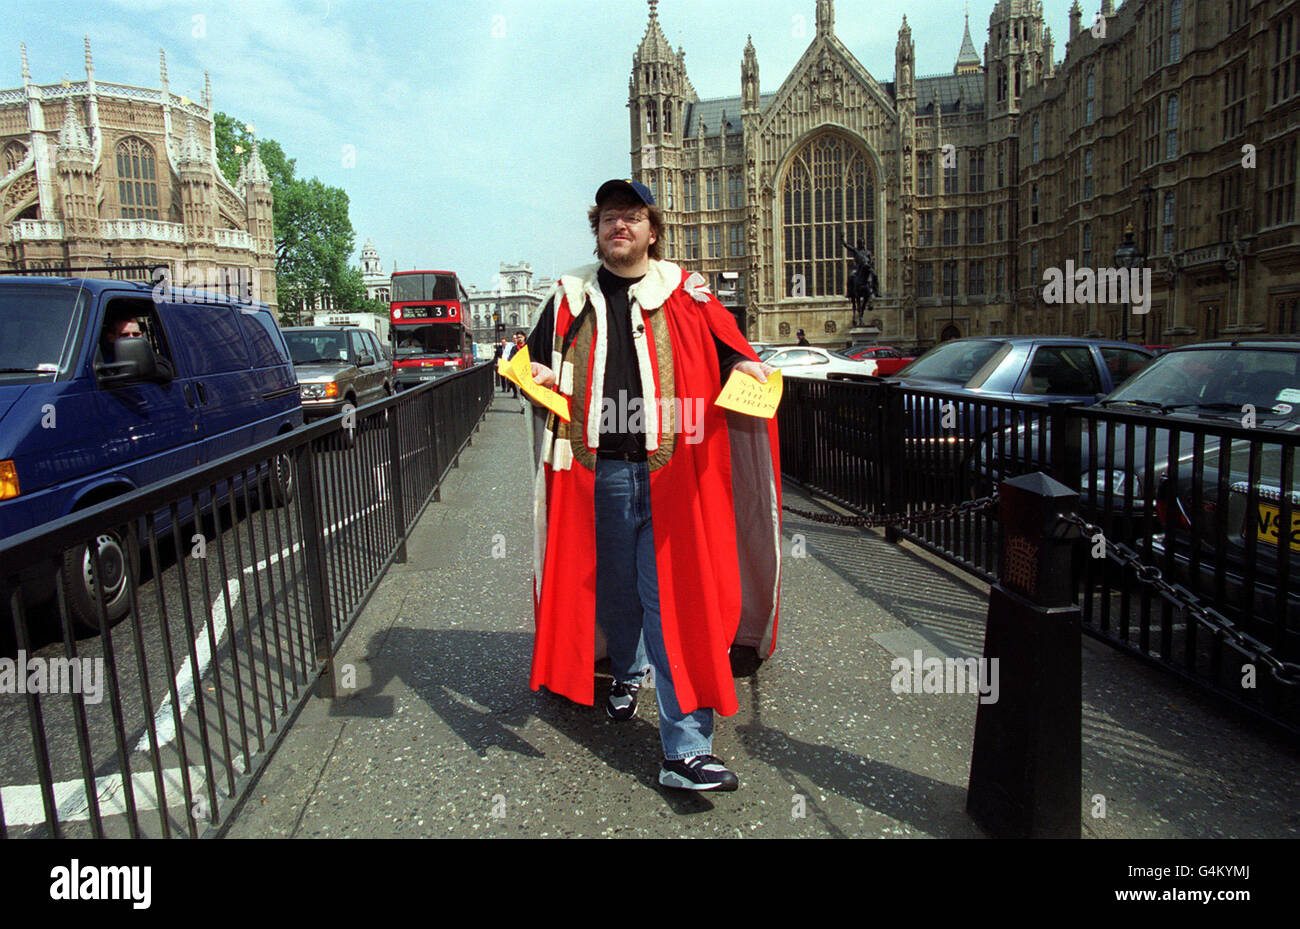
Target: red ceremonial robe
<point>714,486</point>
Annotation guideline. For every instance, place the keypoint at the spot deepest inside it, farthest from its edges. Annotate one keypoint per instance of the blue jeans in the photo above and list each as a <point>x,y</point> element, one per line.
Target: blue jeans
<point>627,601</point>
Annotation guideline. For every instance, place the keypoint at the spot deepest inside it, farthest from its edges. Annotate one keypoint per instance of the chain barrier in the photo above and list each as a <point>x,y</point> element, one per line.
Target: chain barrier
<point>878,520</point>
<point>1187,602</point>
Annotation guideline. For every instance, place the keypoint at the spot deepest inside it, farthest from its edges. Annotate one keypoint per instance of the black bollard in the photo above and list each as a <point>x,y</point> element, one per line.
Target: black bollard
<point>1025,779</point>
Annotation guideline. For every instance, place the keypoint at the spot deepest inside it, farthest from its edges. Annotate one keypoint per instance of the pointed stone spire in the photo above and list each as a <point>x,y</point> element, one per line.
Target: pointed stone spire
<point>72,137</point>
<point>90,62</point>
<point>27,75</point>
<point>191,148</point>
<point>162,69</point>
<point>257,173</point>
<point>825,17</point>
<point>655,46</point>
<point>749,78</point>
<point>968,60</point>
<point>1076,16</point>
<point>207,91</point>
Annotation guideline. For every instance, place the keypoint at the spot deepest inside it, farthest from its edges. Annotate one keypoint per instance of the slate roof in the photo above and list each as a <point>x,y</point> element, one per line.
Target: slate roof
<point>954,92</point>
<point>710,113</point>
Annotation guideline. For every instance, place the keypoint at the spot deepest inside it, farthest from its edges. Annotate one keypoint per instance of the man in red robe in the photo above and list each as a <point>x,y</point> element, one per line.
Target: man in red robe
<point>657,512</point>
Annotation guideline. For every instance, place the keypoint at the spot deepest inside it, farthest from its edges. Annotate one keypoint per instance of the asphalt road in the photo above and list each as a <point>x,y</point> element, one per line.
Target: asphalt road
<point>219,643</point>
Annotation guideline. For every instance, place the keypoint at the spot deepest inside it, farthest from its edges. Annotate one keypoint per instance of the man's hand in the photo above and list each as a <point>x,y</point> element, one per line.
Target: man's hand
<point>543,375</point>
<point>755,369</point>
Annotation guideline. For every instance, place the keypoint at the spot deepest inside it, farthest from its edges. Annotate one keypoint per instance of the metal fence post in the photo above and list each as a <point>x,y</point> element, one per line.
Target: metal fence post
<point>1025,780</point>
<point>889,449</point>
<point>1066,428</point>
<point>396,488</point>
<point>313,547</point>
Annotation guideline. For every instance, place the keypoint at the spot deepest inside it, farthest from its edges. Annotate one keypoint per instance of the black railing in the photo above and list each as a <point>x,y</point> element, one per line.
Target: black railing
<point>164,695</point>
<point>1201,503</point>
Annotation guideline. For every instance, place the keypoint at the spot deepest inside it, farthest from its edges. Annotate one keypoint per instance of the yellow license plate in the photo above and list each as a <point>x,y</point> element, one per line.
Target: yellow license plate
<point>1268,521</point>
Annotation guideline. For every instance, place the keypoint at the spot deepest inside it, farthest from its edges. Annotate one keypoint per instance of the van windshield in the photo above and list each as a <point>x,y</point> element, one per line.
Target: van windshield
<point>38,323</point>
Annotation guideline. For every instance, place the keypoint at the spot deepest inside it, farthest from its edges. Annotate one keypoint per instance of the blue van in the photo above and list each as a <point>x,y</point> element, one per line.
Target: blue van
<point>107,386</point>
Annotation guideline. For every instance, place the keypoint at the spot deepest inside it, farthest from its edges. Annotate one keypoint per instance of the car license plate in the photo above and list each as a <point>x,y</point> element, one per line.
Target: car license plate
<point>1268,520</point>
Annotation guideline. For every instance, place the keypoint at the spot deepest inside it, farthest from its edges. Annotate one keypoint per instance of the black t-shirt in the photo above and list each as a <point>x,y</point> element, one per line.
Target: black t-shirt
<point>622,371</point>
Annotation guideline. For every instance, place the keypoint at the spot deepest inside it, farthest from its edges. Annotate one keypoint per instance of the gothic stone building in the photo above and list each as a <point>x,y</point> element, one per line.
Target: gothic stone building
<point>1179,118</point>
<point>511,301</point>
<point>92,171</point>
<point>930,173</point>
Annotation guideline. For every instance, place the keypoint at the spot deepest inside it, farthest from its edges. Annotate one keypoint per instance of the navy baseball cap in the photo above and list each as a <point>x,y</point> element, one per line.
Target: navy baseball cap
<point>633,188</point>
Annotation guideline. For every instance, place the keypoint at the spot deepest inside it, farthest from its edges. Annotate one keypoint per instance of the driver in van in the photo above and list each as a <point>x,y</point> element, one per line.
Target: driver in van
<point>128,327</point>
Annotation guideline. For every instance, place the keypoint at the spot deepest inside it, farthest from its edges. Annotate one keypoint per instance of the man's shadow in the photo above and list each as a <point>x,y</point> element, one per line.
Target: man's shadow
<point>476,682</point>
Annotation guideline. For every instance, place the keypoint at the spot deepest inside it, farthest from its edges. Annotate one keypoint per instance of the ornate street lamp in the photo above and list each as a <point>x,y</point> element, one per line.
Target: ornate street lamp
<point>1128,256</point>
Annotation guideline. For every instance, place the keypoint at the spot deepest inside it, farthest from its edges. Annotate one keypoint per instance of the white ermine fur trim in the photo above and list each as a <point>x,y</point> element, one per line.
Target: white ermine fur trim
<point>661,279</point>
<point>649,387</point>
<point>562,455</point>
<point>539,530</point>
<point>566,378</point>
<point>537,310</point>
<point>596,389</point>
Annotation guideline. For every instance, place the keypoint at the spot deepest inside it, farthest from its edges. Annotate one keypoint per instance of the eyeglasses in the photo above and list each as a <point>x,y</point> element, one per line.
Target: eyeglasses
<point>631,219</point>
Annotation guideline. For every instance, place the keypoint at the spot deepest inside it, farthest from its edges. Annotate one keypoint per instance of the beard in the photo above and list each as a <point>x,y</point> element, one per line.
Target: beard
<point>627,259</point>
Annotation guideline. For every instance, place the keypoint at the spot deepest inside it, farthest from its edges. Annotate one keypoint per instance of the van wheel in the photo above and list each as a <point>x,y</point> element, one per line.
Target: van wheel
<point>279,482</point>
<point>119,563</point>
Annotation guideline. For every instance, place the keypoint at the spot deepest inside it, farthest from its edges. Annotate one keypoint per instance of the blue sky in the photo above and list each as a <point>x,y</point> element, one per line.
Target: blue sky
<point>465,133</point>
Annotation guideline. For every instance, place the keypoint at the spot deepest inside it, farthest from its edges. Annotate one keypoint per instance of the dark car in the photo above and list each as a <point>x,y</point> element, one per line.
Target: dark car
<point>1223,529</point>
<point>1027,368</point>
<point>969,389</point>
<point>338,367</point>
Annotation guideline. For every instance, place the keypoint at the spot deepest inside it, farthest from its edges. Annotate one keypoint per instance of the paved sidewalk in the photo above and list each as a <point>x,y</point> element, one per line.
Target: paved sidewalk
<point>442,736</point>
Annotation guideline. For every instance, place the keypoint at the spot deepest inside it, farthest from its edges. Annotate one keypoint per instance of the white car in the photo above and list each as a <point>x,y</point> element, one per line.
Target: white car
<point>809,361</point>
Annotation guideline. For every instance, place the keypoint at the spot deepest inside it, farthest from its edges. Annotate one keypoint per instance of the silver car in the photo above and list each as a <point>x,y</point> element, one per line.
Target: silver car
<point>337,367</point>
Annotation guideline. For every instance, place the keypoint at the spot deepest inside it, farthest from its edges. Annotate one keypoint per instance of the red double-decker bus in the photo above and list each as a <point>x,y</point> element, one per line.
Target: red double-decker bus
<point>430,338</point>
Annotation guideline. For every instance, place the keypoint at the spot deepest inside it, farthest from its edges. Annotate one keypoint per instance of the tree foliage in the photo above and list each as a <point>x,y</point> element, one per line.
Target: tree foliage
<point>314,238</point>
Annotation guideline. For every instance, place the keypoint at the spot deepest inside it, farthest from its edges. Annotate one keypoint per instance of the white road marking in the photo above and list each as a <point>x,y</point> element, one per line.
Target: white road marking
<point>22,803</point>
<point>24,806</point>
<point>164,721</point>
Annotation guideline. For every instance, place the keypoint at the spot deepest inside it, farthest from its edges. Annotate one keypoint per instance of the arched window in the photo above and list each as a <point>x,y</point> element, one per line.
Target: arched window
<point>668,116</point>
<point>14,154</point>
<point>1089,96</point>
<point>828,192</point>
<point>1034,153</point>
<point>652,117</point>
<point>137,183</point>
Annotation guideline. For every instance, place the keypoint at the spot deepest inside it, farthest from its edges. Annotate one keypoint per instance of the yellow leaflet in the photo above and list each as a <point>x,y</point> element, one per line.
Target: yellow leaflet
<point>519,369</point>
<point>746,394</point>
